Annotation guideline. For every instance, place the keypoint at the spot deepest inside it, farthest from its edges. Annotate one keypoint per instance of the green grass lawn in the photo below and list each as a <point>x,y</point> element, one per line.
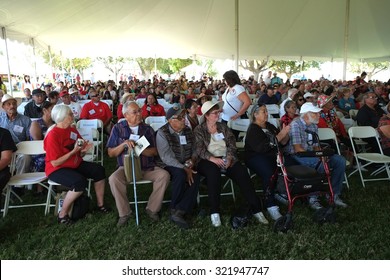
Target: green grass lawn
<point>361,232</point>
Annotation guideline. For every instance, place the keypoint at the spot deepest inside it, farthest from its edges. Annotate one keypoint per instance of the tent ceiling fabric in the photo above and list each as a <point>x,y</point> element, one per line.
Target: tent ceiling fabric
<point>181,28</point>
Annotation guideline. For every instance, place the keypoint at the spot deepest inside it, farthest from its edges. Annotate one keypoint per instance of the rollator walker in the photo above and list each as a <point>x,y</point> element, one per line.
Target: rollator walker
<point>299,181</point>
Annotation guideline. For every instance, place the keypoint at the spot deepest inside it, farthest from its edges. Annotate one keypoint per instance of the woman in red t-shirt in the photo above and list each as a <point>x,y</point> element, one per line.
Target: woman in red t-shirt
<point>64,163</point>
<point>151,107</point>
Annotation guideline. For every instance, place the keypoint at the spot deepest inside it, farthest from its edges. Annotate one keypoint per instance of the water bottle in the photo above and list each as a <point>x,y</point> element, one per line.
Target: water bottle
<point>223,169</point>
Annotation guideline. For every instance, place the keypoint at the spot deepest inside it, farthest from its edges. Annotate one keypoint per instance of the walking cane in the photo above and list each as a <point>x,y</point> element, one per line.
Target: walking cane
<point>134,186</point>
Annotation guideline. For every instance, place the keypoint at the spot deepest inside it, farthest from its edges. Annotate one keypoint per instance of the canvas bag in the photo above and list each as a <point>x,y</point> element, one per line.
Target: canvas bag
<point>128,167</point>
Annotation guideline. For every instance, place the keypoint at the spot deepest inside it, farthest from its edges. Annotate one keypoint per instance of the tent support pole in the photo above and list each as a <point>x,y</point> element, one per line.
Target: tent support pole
<point>237,27</point>
<point>346,37</point>
<point>4,33</point>
<point>35,59</point>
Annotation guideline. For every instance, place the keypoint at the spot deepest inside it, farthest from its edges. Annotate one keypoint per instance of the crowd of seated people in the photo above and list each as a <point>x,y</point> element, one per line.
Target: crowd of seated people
<point>210,141</point>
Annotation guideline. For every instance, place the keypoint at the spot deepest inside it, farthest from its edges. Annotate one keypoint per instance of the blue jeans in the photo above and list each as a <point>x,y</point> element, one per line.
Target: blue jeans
<point>336,163</point>
<point>264,166</point>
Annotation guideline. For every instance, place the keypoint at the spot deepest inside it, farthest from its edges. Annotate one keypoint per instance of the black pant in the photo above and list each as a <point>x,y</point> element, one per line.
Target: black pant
<point>77,178</point>
<point>183,195</point>
<point>238,174</point>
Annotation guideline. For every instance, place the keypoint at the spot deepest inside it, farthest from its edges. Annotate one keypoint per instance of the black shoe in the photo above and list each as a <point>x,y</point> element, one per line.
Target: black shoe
<point>178,218</point>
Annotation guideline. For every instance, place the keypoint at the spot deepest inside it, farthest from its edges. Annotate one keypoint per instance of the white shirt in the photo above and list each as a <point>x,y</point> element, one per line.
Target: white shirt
<point>231,97</point>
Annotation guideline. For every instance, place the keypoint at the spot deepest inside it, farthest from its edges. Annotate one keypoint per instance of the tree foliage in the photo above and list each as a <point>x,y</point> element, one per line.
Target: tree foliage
<point>113,64</point>
<point>290,67</point>
<point>371,68</point>
<point>256,66</point>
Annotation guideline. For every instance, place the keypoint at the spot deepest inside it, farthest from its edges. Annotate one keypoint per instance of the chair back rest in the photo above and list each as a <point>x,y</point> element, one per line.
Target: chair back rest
<point>109,102</point>
<point>327,133</point>
<point>93,123</point>
<point>353,113</point>
<point>88,133</point>
<point>362,132</point>
<point>20,108</point>
<point>153,119</point>
<point>273,109</point>
<point>156,126</point>
<point>34,147</point>
<point>275,122</point>
<point>240,124</point>
<point>140,102</point>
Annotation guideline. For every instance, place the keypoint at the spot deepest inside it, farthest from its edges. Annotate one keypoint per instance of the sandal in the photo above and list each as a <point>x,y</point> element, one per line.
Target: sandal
<point>103,209</point>
<point>64,220</point>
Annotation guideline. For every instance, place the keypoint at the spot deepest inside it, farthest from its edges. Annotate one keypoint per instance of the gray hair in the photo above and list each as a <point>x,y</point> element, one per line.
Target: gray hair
<point>59,112</point>
<point>291,92</point>
<point>125,108</point>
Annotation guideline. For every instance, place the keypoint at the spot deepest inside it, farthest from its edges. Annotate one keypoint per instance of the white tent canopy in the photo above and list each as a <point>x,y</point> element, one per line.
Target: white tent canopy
<point>181,28</point>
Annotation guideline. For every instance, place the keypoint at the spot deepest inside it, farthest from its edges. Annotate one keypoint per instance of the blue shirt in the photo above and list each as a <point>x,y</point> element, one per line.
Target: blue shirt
<point>298,135</point>
<point>121,132</point>
<point>19,127</point>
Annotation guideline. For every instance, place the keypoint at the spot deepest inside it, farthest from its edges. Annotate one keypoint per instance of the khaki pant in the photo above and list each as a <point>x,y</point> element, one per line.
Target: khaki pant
<point>118,185</point>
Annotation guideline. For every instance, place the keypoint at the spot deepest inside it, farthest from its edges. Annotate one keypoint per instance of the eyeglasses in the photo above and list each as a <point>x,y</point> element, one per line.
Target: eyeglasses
<point>215,112</point>
<point>372,97</point>
<point>135,112</point>
<point>300,99</point>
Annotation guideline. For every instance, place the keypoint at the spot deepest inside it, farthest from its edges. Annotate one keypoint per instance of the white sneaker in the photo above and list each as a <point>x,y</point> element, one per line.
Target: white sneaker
<point>274,212</point>
<point>314,203</point>
<point>339,202</point>
<point>215,220</point>
<point>260,218</point>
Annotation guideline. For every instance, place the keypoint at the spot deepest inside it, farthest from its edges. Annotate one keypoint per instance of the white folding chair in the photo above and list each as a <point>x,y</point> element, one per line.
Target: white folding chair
<point>98,125</point>
<point>156,126</point>
<point>20,108</point>
<point>110,103</point>
<point>329,134</point>
<point>90,134</point>
<point>226,185</point>
<point>242,126</point>
<point>27,148</point>
<point>153,119</point>
<point>369,158</point>
<point>273,109</point>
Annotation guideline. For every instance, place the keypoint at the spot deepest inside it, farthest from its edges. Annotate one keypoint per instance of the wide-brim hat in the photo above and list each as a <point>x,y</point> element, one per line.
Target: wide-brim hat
<point>7,97</point>
<point>309,107</point>
<point>323,99</point>
<point>207,106</point>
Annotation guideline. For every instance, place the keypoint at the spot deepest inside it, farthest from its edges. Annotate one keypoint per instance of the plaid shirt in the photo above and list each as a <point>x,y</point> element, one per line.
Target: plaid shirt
<point>299,136</point>
<point>121,132</point>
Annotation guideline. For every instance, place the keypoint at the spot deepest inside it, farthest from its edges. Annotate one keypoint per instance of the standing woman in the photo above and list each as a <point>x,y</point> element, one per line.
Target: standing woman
<point>260,153</point>
<point>236,100</point>
<point>216,148</point>
<point>27,83</point>
<point>65,165</point>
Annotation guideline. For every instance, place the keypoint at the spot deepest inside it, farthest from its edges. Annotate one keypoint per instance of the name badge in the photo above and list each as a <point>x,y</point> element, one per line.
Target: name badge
<point>309,137</point>
<point>134,137</point>
<point>18,129</point>
<point>219,136</point>
<point>149,108</point>
<point>91,112</point>
<point>183,140</point>
<point>73,136</point>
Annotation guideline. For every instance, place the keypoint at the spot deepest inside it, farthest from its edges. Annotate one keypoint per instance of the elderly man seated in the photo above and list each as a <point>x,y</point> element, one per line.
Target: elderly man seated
<point>302,139</point>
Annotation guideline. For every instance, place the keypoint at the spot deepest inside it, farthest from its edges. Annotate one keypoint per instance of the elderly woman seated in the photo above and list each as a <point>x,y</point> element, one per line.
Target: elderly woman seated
<point>260,153</point>
<point>216,148</point>
<point>64,161</point>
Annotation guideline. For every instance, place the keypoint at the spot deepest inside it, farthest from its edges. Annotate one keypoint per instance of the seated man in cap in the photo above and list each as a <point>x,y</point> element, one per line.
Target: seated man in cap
<point>122,138</point>
<point>34,109</point>
<point>95,109</point>
<point>176,148</point>
<point>302,139</point>
<point>74,106</point>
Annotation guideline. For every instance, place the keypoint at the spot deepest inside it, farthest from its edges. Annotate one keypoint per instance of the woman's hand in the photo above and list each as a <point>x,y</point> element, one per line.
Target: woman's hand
<point>236,116</point>
<point>87,145</point>
<point>218,161</point>
<point>228,163</point>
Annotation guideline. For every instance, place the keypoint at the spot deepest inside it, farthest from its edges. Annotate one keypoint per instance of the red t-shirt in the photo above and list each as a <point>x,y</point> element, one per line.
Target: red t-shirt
<point>57,143</point>
<point>91,111</point>
<point>154,110</point>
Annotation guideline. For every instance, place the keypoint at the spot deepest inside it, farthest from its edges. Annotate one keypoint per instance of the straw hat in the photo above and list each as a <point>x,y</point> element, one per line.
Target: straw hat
<point>7,97</point>
<point>207,106</point>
